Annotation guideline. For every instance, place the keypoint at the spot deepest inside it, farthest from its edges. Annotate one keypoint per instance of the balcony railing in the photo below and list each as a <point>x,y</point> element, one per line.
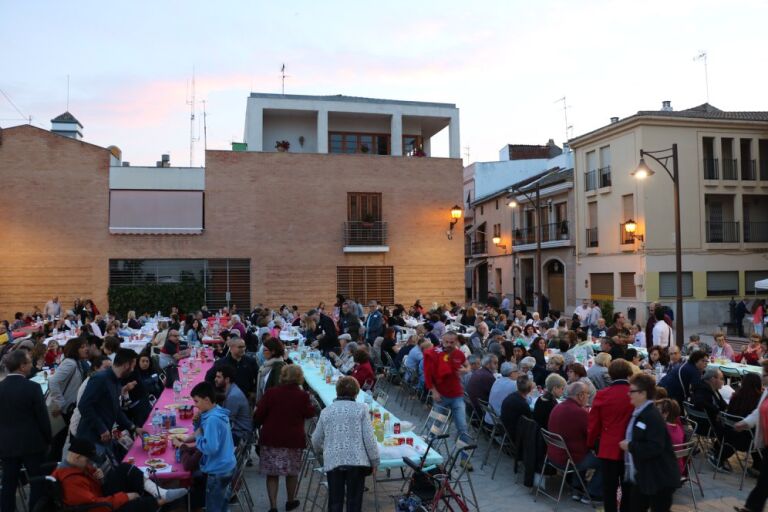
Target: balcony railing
<point>730,169</point>
<point>756,232</point>
<point>359,233</point>
<point>711,169</point>
<point>480,247</point>
<point>605,176</point>
<point>764,169</point>
<point>592,237</point>
<point>624,237</point>
<point>590,180</point>
<point>549,233</point>
<point>722,232</point>
<point>748,170</point>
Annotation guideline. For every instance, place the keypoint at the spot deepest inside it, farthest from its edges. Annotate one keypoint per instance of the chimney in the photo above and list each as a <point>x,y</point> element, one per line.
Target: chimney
<point>67,125</point>
<point>126,164</point>
<point>614,120</point>
<point>166,160</point>
<point>666,106</point>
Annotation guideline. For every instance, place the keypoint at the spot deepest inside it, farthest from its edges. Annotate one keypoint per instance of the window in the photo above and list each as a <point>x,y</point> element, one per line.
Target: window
<point>497,230</point>
<point>497,204</point>
<point>750,276</point>
<point>722,283</point>
<point>366,283</point>
<point>627,282</point>
<point>668,284</point>
<point>157,212</point>
<point>366,143</point>
<point>225,281</point>
<point>364,206</point>
<point>602,286</point>
<point>411,143</point>
<point>481,209</point>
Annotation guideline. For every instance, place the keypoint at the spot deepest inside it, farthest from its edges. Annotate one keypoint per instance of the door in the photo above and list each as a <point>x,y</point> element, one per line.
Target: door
<point>482,282</point>
<point>715,221</point>
<point>526,274</point>
<point>556,285</point>
<point>498,283</point>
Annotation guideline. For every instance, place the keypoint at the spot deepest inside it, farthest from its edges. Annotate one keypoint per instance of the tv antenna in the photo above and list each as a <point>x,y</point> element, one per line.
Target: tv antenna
<point>192,139</point>
<point>283,76</point>
<point>205,127</point>
<point>565,115</point>
<point>703,56</point>
<point>67,93</point>
<point>466,153</point>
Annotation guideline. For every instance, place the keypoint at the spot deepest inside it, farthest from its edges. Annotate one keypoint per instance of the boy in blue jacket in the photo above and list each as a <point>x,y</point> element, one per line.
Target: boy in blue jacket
<point>213,436</point>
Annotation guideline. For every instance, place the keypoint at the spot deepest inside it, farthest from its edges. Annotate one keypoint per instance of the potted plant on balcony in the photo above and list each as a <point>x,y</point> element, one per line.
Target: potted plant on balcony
<point>564,230</point>
<point>282,146</point>
<point>364,148</point>
<point>367,221</point>
<point>419,152</point>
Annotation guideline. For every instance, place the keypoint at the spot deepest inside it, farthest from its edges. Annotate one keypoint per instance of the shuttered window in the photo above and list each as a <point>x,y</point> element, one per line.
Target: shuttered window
<point>668,284</point>
<point>722,283</point>
<point>366,283</point>
<point>364,206</point>
<point>602,286</point>
<point>750,276</point>
<point>627,283</point>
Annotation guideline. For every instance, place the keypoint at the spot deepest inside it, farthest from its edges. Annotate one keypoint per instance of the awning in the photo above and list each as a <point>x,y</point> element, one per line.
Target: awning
<point>469,270</point>
<point>762,284</point>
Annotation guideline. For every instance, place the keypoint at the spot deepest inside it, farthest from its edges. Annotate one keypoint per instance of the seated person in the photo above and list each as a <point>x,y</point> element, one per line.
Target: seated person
<point>555,388</point>
<point>502,388</point>
<point>479,386</point>
<point>516,405</point>
<point>706,397</point>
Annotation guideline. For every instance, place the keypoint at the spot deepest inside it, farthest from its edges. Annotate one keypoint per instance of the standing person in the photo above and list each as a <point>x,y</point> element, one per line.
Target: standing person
<point>326,335</point>
<point>214,440</point>
<point>758,420</point>
<point>679,382</point>
<point>758,317</point>
<point>741,312</point>
<point>582,312</point>
<point>608,419</point>
<point>269,372</point>
<point>281,412</point>
<point>662,333</point>
<point>63,386</point>
<point>374,323</point>
<point>594,315</point>
<point>52,308</point>
<point>246,367</point>
<point>443,367</point>
<point>24,429</point>
<point>344,437</point>
<point>650,463</point>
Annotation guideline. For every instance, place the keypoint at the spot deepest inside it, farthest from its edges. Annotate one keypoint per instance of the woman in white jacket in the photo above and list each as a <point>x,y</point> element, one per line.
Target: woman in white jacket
<point>759,421</point>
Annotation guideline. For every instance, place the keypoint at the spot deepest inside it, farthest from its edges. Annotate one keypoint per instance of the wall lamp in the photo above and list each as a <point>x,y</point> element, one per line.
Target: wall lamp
<point>497,243</point>
<point>455,216</point>
<point>630,227</point>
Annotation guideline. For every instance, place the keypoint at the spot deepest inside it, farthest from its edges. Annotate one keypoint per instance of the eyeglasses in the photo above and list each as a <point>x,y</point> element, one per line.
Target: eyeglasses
<point>239,346</point>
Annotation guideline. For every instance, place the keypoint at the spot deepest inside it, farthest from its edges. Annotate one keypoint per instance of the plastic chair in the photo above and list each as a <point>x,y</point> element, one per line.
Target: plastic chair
<point>557,441</point>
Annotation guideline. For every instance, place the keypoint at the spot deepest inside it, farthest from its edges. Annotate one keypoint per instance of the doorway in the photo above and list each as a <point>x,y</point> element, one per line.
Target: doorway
<point>556,285</point>
<point>482,282</point>
<point>526,277</point>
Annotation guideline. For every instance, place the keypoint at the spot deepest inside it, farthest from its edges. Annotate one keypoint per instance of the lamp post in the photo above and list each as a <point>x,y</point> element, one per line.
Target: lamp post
<point>662,157</point>
<point>536,202</point>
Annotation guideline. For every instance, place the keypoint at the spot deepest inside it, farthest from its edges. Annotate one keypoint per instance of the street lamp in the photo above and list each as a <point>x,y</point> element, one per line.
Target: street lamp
<point>455,216</point>
<point>497,242</point>
<point>630,227</point>
<point>662,157</point>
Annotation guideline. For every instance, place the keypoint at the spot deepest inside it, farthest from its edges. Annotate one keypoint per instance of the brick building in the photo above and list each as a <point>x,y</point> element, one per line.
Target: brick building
<point>255,226</point>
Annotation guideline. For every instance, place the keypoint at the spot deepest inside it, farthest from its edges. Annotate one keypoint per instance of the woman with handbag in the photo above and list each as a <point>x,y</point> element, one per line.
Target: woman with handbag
<point>344,440</point>
<point>281,412</point>
<point>63,386</point>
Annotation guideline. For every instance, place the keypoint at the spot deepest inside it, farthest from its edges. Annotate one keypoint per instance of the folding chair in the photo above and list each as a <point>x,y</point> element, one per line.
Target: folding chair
<point>380,396</point>
<point>240,491</point>
<point>500,435</point>
<point>472,417</point>
<point>557,441</point>
<point>438,422</point>
<point>684,451</point>
<point>702,424</point>
<point>312,496</point>
<point>728,421</point>
<point>456,469</point>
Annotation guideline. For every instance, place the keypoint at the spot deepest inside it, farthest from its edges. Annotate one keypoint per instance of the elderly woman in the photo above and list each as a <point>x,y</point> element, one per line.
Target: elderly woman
<point>598,373</point>
<point>752,353</point>
<point>363,371</point>
<point>269,372</point>
<point>158,340</point>
<point>132,322</point>
<point>281,413</point>
<point>344,439</point>
<point>555,388</point>
<point>758,419</point>
<point>651,464</point>
<point>556,364</point>
<point>577,373</point>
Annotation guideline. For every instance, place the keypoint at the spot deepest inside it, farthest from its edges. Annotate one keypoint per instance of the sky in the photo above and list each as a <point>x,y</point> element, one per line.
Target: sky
<point>505,64</point>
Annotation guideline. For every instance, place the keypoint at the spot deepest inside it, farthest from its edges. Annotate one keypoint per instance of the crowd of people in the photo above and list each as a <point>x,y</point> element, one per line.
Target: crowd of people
<point>614,392</point>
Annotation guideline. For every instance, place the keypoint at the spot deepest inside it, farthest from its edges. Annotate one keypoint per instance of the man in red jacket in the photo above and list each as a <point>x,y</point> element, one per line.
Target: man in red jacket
<point>569,420</point>
<point>81,483</point>
<point>608,419</point>
<point>443,367</point>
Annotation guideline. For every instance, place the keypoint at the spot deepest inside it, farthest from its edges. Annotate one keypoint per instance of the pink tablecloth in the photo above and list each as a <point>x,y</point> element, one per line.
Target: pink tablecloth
<point>137,452</point>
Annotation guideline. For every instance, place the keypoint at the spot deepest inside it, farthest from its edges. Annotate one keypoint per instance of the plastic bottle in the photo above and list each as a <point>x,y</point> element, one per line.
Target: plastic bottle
<point>156,421</point>
<point>177,391</point>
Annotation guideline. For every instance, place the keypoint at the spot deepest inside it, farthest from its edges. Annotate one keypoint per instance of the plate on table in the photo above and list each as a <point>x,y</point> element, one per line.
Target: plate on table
<point>178,430</point>
<point>173,406</point>
<point>157,463</point>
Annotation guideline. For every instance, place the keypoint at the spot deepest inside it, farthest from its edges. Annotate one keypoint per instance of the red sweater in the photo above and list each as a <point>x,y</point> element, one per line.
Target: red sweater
<point>363,373</point>
<point>441,371</point>
<point>281,413</point>
<point>79,487</point>
<point>608,418</point>
<point>569,419</point>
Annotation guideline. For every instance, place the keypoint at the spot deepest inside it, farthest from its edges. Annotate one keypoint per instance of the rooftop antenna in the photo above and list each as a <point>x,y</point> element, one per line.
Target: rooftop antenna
<point>284,76</point>
<point>192,138</point>
<point>703,56</point>
<point>205,128</point>
<point>67,93</point>
<point>565,115</point>
<point>466,153</point>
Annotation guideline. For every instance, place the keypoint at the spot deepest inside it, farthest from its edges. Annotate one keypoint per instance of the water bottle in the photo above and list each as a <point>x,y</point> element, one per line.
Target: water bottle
<point>156,422</point>
<point>177,391</point>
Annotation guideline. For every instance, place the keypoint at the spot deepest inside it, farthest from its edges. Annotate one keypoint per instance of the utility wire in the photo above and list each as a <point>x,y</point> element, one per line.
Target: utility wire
<point>13,105</point>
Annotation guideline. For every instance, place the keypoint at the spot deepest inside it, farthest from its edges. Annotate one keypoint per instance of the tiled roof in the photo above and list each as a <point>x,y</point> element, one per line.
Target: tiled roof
<point>66,117</point>
<point>707,111</point>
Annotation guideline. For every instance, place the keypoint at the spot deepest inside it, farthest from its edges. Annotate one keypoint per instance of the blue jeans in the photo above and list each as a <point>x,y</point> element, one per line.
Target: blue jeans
<point>217,489</point>
<point>595,485</point>
<point>458,412</point>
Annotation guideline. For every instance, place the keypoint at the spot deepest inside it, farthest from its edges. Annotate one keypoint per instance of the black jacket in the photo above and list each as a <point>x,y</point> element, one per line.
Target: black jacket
<point>706,399</point>
<point>326,326</point>
<point>512,408</point>
<point>24,425</point>
<point>651,450</point>
<point>246,372</point>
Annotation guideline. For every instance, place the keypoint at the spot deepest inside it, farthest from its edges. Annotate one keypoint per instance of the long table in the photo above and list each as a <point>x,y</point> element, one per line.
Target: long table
<point>177,471</point>
<point>327,394</point>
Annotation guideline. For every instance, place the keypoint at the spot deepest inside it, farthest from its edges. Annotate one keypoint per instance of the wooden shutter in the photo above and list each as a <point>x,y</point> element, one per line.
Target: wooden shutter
<point>362,204</point>
<point>366,283</point>
<point>627,283</point>
<point>601,286</point>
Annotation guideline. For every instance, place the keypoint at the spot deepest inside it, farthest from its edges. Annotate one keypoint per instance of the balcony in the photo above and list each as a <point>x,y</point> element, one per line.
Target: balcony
<point>730,169</point>
<point>755,232</point>
<point>554,232</point>
<point>748,170</point>
<point>362,236</point>
<point>590,180</point>
<point>479,247</point>
<point>605,176</point>
<point>711,169</point>
<point>592,237</point>
<point>763,170</point>
<point>625,238</point>
<point>722,232</point>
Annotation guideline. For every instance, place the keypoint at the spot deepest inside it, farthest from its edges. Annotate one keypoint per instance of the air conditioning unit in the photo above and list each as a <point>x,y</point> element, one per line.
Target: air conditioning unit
<point>640,280</point>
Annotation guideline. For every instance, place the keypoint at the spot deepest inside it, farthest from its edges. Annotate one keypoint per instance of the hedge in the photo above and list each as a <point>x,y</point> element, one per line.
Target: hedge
<point>155,297</point>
